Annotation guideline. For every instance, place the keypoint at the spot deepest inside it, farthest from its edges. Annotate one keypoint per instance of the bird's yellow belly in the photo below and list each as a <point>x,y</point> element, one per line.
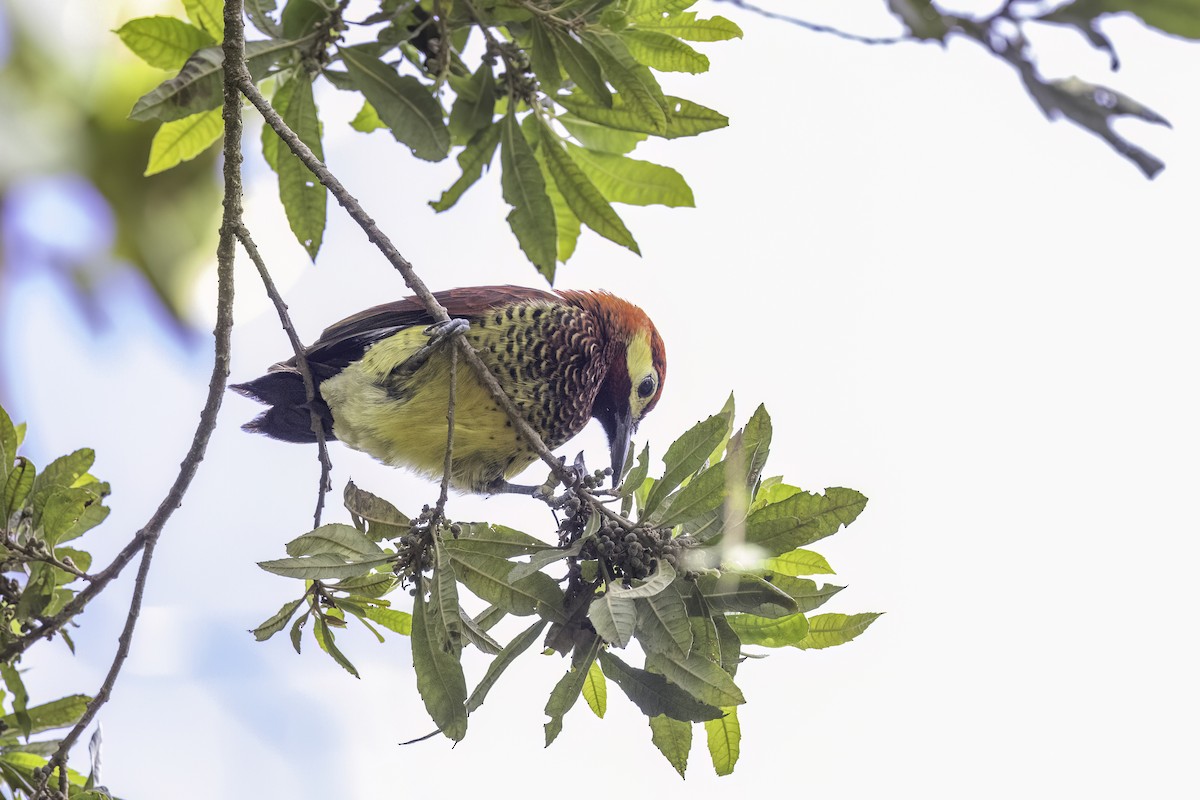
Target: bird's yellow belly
<point>401,419</point>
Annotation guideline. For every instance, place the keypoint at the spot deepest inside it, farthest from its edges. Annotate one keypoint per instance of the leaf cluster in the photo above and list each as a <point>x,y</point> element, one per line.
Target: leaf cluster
<point>40,512</point>
<point>564,91</point>
<point>705,560</point>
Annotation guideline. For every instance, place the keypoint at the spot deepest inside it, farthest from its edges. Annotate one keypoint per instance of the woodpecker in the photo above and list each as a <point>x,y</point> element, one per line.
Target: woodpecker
<point>563,357</point>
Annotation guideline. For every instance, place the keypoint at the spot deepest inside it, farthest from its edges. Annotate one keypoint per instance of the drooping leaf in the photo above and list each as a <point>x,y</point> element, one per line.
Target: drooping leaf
<point>183,139</point>
<point>735,591</point>
<point>566,225</point>
<point>543,58</point>
<point>476,635</point>
<point>653,694</point>
<point>532,217</point>
<point>699,677</point>
<point>8,444</point>
<point>325,639</point>
<point>673,739</point>
<point>14,491</point>
<point>501,662</point>
<point>829,630</point>
<point>440,679</point>
<point>724,740</point>
<point>302,195</point>
<point>595,690</point>
<point>637,183</point>
<point>569,687</point>
<point>163,42</point>
<point>402,102</point>
<point>277,621</point>
<point>473,160</point>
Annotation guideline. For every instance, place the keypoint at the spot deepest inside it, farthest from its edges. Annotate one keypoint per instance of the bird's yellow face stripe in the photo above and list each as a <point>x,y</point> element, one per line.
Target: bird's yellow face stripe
<point>643,378</point>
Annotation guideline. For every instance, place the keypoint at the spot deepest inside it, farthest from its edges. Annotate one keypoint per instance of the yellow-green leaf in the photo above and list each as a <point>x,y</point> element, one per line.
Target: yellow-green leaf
<point>208,14</point>
<point>595,690</point>
<point>724,740</point>
<point>829,630</point>
<point>183,139</point>
<point>686,25</point>
<point>663,52</point>
<point>163,42</point>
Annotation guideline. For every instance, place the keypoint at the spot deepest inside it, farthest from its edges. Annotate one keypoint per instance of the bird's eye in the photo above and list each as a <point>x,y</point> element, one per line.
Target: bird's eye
<point>646,387</point>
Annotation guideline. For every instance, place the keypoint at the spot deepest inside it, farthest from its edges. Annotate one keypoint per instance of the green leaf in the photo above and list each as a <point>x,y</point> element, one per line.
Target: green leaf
<point>799,562</point>
<point>367,119</point>
<point>724,740</point>
<point>198,85</point>
<point>259,13</point>
<point>806,593</point>
<point>600,138</point>
<point>303,196</point>
<point>343,540</point>
<point>473,159</point>
<point>673,739</point>
<point>687,455</point>
<point>63,472</point>
<point>475,104</point>
<point>487,578</point>
<point>163,42</point>
<point>8,445</point>
<point>183,139</point>
<point>638,10</point>
<point>403,102</point>
<point>582,67</point>
<point>614,617</point>
<point>16,488</point>
<point>371,585</point>
<point>584,199</point>
<point>653,694</point>
<point>209,15</point>
<point>703,495</point>
<point>569,687</point>
<point>324,566</point>
<point>686,25</point>
<point>661,51</point>
<point>532,218</point>
<point>543,58</point>
<point>278,621</point>
<point>495,540</point>
<point>476,635</point>
<point>65,508</point>
<point>444,614</point>
<point>662,623</point>
<point>780,632</point>
<point>300,17</point>
<point>683,117</point>
<point>49,716</point>
<point>699,677</point>
<point>633,80</point>
<point>324,637</point>
<point>520,643</point>
<point>544,557</point>
<point>829,630</point>
<point>802,519</point>
<point>396,621</point>
<point>381,519</point>
<point>664,575</point>
<point>297,630</point>
<point>566,225</point>
<point>440,678</point>
<point>637,183</point>
<point>734,591</point>
<point>636,477</point>
<point>595,690</point>
<point>20,697</point>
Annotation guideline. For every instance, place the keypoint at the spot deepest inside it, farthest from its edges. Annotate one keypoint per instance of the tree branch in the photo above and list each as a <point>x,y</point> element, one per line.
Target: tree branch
<point>816,27</point>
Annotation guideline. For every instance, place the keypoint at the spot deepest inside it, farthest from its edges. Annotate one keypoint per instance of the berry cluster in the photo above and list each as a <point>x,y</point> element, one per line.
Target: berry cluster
<point>633,554</point>
<point>414,554</point>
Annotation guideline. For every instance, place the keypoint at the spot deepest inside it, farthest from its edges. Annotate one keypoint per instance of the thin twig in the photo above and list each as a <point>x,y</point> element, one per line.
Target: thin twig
<point>146,538</point>
<point>310,390</point>
<point>440,508</point>
<point>46,556</point>
<point>816,27</point>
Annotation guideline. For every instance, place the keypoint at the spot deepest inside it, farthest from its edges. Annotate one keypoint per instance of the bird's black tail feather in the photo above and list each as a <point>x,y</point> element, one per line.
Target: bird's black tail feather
<point>288,418</point>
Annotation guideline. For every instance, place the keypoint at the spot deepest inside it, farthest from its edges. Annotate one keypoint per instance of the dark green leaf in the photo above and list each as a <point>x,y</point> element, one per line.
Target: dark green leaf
<point>303,196</point>
<point>277,621</point>
<point>662,623</point>
<point>544,557</point>
<point>301,17</point>
<point>324,638</point>
<point>297,630</point>
<point>687,455</point>
<point>664,575</point>
<point>474,105</point>
<point>733,591</point>
<point>829,630</point>
<point>637,183</point>
<point>566,225</point>
<point>163,42</point>
<point>542,57</point>
<point>20,697</point>
<point>614,617</point>
<point>440,678</point>
<point>403,102</point>
<point>654,694</point>
<point>373,584</point>
<point>259,12</point>
<point>802,519</point>
<point>487,577</point>
<point>16,488</point>
<point>699,677</point>
<point>673,739</point>
<point>8,445</point>
<point>516,647</point>
<point>477,636</point>
<point>444,615</point>
<point>524,188</point>
<point>582,67</point>
<point>921,18</point>
<point>568,688</point>
<point>495,540</point>
<point>343,540</point>
<point>635,477</point>
<point>473,159</point>
<point>703,495</point>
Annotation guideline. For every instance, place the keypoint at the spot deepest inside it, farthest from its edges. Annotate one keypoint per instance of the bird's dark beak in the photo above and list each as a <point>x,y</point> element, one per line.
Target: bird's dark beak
<point>619,435</point>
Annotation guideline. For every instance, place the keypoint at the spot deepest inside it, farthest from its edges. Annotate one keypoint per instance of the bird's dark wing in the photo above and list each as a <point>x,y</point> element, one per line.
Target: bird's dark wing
<point>345,342</point>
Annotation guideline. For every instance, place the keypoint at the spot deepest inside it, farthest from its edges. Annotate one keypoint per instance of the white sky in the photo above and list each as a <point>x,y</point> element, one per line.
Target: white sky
<point>983,321</point>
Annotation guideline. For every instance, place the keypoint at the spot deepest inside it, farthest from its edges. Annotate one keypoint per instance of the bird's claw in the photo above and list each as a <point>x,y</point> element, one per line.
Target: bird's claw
<point>439,332</point>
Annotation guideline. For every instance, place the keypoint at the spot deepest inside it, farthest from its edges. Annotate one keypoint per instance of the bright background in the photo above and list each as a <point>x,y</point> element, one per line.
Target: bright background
<point>983,321</point>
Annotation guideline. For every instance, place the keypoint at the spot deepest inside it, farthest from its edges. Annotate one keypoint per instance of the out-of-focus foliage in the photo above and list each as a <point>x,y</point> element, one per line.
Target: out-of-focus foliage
<point>42,515</point>
<point>713,561</point>
<point>63,117</point>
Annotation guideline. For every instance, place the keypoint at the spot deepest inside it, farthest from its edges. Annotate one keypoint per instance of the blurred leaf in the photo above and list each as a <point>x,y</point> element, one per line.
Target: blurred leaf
<point>496,668</point>
<point>20,697</point>
<point>673,739</point>
<point>342,540</point>
<point>475,104</point>
<point>163,42</point>
<point>686,25</point>
<point>829,630</point>
<point>663,52</point>
<point>614,617</point>
<point>543,58</point>
<point>278,621</point>
<point>259,13</point>
<point>683,117</point>
<point>921,18</point>
<point>802,519</point>
<point>403,102</point>
<point>637,10</point>
<point>209,15</point>
<point>595,690</point>
<point>56,714</point>
<point>724,740</point>
<point>183,139</point>
<point>8,446</point>
<point>473,159</point>
<point>440,678</point>
<point>699,677</point>
<point>653,694</point>
<point>301,17</point>
<point>1176,17</point>
<point>627,180</point>
<point>779,632</point>
<point>532,218</point>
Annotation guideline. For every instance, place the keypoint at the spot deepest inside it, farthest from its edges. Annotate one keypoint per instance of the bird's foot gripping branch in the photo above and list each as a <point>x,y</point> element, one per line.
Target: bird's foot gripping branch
<point>703,561</point>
